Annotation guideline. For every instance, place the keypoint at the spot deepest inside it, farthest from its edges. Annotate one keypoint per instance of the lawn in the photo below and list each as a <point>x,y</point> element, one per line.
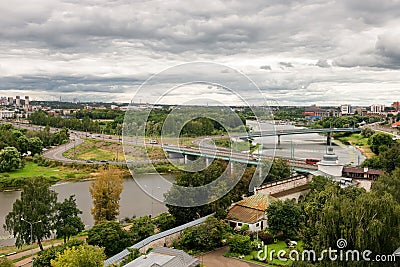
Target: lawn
<point>360,142</point>
<point>106,150</point>
<point>96,150</point>
<point>15,179</point>
<point>281,245</point>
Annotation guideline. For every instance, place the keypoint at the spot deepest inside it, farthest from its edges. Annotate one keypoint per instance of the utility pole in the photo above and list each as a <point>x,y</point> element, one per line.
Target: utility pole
<point>31,225</point>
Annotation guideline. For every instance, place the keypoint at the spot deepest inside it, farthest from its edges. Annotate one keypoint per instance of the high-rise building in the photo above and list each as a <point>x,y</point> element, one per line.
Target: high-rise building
<point>345,109</point>
<point>26,100</point>
<point>10,100</point>
<point>17,100</point>
<point>377,108</point>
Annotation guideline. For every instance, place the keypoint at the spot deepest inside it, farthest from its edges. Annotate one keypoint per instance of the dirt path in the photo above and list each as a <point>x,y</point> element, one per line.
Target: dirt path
<point>217,259</point>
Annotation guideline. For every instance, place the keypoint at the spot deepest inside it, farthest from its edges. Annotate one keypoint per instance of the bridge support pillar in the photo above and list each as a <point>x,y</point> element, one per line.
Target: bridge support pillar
<point>279,140</point>
<point>231,168</point>
<point>328,138</point>
<point>208,162</point>
<point>185,159</point>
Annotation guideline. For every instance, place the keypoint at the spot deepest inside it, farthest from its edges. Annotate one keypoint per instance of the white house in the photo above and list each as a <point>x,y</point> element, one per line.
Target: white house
<point>250,211</point>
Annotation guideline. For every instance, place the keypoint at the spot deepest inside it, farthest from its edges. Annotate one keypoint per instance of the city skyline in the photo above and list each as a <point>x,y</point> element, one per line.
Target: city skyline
<point>298,52</point>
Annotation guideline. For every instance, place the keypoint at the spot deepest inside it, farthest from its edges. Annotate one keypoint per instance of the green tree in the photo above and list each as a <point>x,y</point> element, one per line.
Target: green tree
<point>367,132</point>
<point>142,227</point>
<point>204,237</point>
<point>10,159</point>
<point>68,222</point>
<point>285,216</point>
<point>81,256</point>
<point>111,236</point>
<point>365,220</point>
<point>280,169</point>
<point>44,257</point>
<point>240,244</point>
<point>4,262</point>
<point>106,191</point>
<point>388,183</point>
<point>380,142</point>
<point>37,206</point>
<point>164,221</point>
<point>22,144</point>
<point>35,145</point>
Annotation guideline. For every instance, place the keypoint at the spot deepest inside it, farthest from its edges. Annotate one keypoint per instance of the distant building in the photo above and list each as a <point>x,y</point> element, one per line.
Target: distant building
<point>345,109</point>
<point>314,112</point>
<point>165,257</point>
<point>26,100</point>
<point>10,100</point>
<point>17,101</point>
<point>396,105</point>
<point>377,109</point>
<point>361,173</point>
<point>6,114</point>
<point>250,211</point>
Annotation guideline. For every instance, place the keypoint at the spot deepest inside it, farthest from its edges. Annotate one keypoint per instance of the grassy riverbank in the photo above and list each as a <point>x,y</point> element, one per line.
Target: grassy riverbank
<point>16,179</point>
<point>358,141</point>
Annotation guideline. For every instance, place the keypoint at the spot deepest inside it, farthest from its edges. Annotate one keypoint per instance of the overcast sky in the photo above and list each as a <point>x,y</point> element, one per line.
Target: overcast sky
<point>297,52</point>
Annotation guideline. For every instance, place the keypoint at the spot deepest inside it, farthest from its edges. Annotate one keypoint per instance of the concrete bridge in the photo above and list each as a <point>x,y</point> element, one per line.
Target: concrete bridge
<point>227,155</point>
<point>278,133</point>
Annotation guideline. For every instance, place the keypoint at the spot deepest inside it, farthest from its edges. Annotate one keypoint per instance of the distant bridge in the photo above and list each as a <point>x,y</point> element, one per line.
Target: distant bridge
<point>278,133</point>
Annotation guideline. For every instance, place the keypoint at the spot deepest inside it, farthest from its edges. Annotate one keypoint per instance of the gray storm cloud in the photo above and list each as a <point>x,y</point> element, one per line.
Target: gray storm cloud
<point>102,48</point>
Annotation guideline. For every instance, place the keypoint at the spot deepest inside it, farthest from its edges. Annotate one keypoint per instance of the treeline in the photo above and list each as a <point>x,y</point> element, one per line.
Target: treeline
<point>16,142</point>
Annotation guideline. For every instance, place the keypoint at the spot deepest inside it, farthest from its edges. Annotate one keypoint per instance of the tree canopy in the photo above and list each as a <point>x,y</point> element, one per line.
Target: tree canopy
<point>106,191</point>
<point>37,206</point>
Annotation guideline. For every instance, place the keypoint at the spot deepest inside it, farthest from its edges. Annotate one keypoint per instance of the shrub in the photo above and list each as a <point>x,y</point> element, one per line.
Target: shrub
<point>266,238</point>
<point>240,244</point>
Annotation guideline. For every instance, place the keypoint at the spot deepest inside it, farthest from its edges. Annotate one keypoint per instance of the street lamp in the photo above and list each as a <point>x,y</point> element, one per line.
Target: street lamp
<point>31,224</point>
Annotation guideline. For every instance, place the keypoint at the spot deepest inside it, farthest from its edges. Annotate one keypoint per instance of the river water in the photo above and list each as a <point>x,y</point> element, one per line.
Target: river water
<point>304,145</point>
<point>134,201</point>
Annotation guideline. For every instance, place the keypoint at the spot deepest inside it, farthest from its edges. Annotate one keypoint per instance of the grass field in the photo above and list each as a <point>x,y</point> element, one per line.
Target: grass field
<point>16,179</point>
<point>61,172</point>
<point>106,150</point>
<point>96,150</point>
<point>360,142</point>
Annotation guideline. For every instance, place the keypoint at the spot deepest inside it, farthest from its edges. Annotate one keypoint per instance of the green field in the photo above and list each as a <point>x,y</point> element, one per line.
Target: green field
<point>96,150</point>
<point>16,179</point>
<point>359,141</point>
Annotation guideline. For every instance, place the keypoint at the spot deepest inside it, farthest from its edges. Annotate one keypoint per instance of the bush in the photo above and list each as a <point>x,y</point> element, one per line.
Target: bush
<point>4,262</point>
<point>266,238</point>
<point>44,257</point>
<point>240,244</point>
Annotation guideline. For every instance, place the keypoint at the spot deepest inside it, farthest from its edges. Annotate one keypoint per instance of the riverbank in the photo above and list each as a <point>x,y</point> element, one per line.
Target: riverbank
<point>359,142</point>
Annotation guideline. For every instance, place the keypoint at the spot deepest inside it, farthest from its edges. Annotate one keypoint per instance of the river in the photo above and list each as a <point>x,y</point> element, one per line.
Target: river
<point>304,146</point>
<point>133,201</point>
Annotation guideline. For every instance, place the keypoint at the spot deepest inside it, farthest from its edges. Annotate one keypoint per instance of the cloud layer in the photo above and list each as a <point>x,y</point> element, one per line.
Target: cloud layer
<point>298,52</point>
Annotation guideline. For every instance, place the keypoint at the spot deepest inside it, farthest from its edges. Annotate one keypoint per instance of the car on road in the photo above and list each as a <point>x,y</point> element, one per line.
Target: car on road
<point>103,161</point>
<point>89,161</point>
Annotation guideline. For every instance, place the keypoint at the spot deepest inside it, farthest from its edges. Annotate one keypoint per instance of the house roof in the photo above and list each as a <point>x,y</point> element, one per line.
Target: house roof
<point>257,201</point>
<point>244,214</point>
<point>165,257</point>
<point>396,124</point>
<point>250,209</point>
